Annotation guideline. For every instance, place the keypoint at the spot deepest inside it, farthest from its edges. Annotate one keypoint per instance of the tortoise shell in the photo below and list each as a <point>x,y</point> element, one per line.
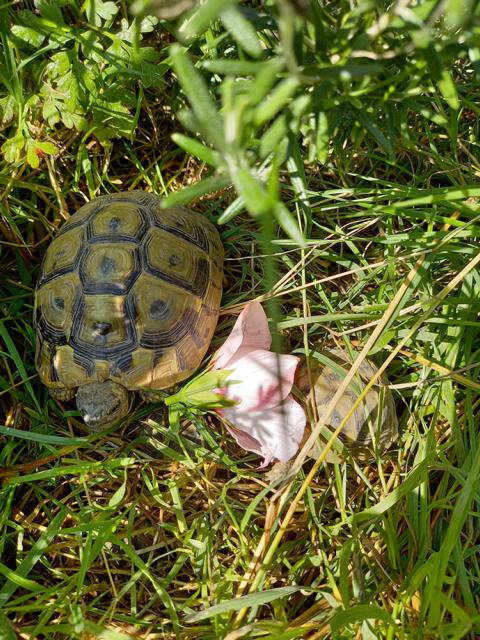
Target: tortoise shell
<point>128,292</point>
<point>373,425</point>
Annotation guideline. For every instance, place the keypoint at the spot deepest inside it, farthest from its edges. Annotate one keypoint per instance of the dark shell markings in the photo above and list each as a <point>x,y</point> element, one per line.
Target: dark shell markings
<point>129,293</point>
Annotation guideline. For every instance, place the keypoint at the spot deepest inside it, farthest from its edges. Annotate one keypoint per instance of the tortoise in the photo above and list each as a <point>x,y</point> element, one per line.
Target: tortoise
<point>127,300</point>
<point>372,427</point>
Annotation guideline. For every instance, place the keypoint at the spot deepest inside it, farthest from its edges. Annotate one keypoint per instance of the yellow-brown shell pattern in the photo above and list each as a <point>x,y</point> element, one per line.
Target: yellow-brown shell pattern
<point>373,425</point>
<point>128,292</point>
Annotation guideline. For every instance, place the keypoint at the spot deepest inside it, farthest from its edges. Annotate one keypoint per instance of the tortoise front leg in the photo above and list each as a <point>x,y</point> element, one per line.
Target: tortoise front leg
<point>62,394</point>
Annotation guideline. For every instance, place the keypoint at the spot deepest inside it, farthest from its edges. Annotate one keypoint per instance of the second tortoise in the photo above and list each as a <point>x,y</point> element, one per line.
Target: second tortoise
<point>372,425</point>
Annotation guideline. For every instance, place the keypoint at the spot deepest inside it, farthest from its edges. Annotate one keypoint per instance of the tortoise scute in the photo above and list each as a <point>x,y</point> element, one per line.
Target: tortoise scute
<point>118,221</point>
<point>173,334</point>
<point>373,425</point>
<point>110,268</point>
<point>192,227</point>
<point>190,268</point>
<point>129,293</point>
<point>63,255</point>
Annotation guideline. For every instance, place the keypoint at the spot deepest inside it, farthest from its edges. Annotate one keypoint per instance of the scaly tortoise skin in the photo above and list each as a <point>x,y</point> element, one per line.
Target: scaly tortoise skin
<point>373,425</point>
<point>127,300</point>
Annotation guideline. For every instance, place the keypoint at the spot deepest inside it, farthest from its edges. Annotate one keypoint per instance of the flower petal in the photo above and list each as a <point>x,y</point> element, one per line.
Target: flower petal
<point>260,379</point>
<point>245,440</point>
<point>275,433</point>
<point>250,330</point>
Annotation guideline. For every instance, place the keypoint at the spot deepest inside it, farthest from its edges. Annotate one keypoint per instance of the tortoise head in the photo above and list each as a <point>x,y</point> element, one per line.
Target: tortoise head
<point>102,403</point>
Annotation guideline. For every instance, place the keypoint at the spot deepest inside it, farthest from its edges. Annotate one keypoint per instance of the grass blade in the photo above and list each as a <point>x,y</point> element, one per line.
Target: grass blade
<point>18,362</point>
<point>197,149</point>
<point>242,30</point>
<point>251,600</point>
<point>23,570</point>
<point>199,21</point>
<point>194,191</point>
<point>200,99</point>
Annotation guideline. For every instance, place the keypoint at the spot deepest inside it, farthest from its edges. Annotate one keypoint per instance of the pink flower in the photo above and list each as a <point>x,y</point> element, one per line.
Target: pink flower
<point>266,419</point>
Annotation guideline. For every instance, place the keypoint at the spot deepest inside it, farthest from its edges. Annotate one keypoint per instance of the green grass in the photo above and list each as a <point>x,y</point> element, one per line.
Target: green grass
<point>336,145</point>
